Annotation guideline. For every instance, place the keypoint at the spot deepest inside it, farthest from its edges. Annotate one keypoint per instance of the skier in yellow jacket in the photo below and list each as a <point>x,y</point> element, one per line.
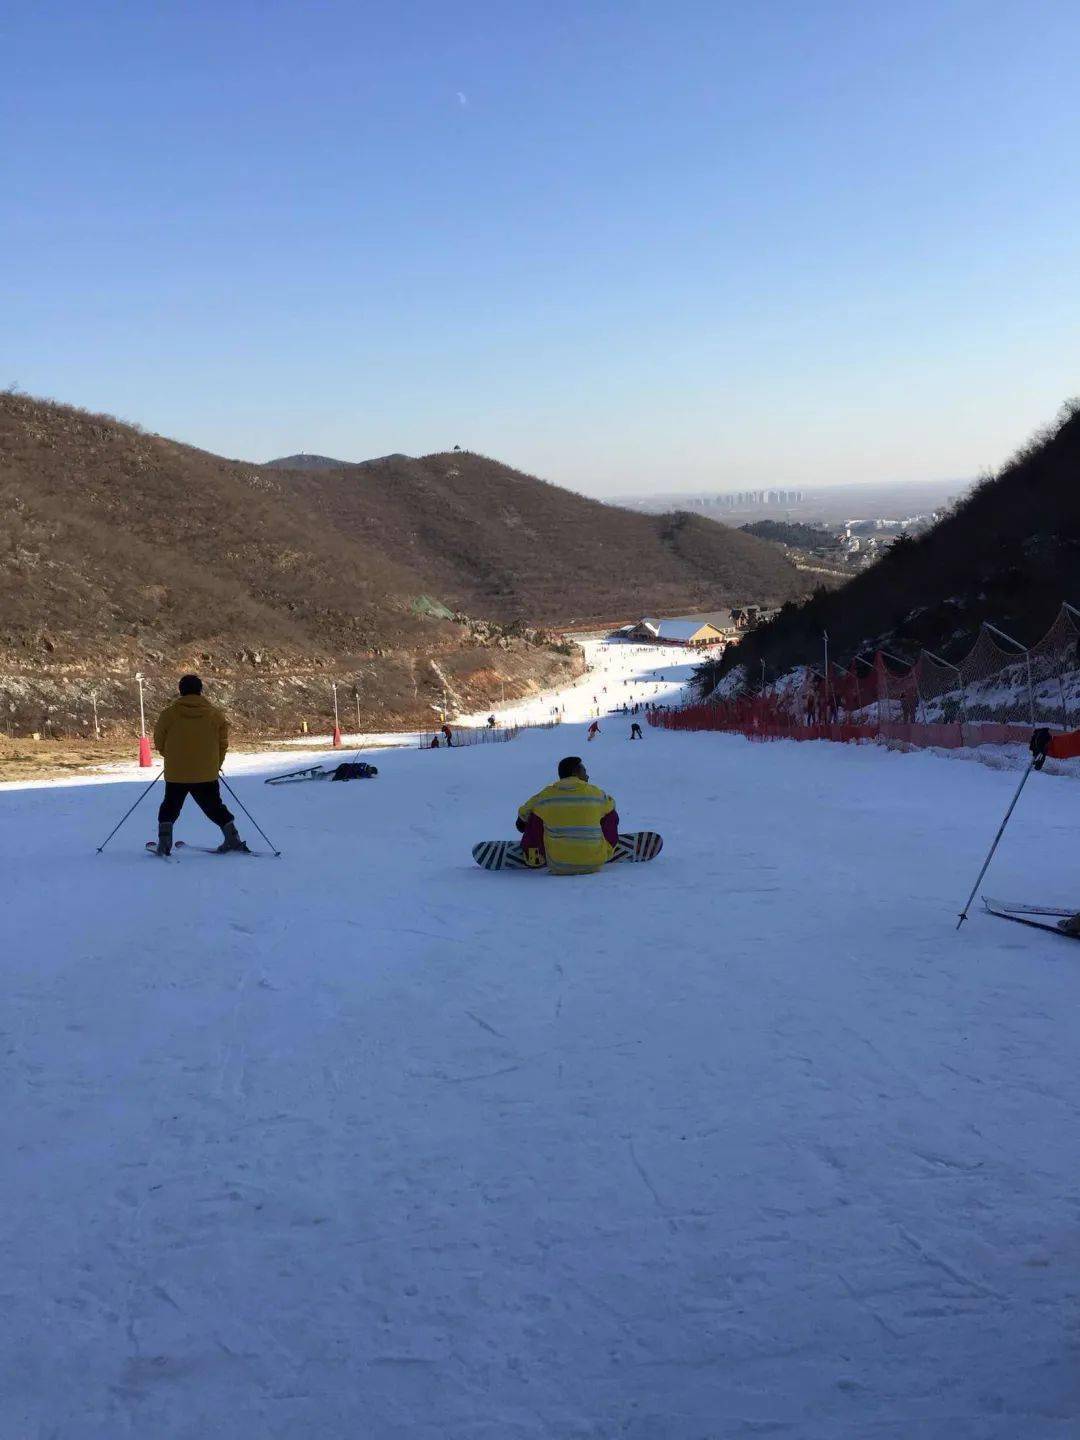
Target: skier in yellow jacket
<point>193,736</point>
<point>571,826</point>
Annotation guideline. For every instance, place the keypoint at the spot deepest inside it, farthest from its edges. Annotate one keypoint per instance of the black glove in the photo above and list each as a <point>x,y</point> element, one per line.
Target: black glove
<point>1040,744</point>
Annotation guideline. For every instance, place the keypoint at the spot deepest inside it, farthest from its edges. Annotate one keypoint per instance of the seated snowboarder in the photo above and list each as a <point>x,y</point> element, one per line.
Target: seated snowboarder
<point>571,826</point>
<point>1058,747</point>
<point>193,737</point>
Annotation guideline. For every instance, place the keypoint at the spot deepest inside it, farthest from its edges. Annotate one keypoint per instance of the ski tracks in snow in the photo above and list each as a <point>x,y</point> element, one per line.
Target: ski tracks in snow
<point>370,1142</point>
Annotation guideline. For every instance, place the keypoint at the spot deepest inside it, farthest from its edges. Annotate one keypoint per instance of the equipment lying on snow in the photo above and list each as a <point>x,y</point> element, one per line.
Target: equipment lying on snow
<point>347,770</point>
<point>1039,917</point>
<point>636,846</point>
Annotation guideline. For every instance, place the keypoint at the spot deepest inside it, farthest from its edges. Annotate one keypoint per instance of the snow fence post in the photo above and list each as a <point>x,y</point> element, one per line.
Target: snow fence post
<point>1027,656</point>
<point>145,758</point>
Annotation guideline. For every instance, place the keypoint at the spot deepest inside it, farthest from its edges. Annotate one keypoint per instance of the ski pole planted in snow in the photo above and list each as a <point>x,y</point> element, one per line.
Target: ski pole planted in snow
<point>142,797</point>
<point>249,815</point>
<point>993,847</point>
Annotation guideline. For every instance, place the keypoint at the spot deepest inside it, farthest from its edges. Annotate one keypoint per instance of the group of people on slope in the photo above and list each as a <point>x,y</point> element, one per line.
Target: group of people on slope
<point>594,730</point>
<point>571,826</point>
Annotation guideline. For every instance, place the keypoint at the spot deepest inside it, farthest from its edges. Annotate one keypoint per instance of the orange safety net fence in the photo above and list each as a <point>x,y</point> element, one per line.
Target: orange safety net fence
<point>996,695</point>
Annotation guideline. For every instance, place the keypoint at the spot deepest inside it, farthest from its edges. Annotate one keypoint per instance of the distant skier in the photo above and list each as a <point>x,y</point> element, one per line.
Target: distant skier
<point>193,737</point>
<point>593,731</point>
<point>635,731</point>
<point>491,722</point>
<point>449,734</point>
<point>571,826</point>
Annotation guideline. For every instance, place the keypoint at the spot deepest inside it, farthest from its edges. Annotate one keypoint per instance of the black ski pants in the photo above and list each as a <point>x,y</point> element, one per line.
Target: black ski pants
<point>205,793</point>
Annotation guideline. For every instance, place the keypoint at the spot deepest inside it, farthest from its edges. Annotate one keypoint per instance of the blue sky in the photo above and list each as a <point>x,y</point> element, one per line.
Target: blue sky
<point>628,246</point>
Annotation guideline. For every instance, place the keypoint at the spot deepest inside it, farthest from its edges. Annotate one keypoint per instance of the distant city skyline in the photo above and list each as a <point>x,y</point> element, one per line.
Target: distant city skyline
<point>620,247</point>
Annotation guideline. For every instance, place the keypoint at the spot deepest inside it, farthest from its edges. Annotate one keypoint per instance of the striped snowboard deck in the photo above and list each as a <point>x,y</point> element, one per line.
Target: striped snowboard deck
<point>636,846</point>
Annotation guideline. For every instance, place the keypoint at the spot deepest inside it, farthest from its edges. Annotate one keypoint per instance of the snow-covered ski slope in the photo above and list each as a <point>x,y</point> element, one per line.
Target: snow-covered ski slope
<point>366,1143</point>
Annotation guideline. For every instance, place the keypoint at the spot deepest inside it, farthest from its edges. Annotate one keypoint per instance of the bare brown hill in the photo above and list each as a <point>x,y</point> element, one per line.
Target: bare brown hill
<point>491,539</point>
<point>304,462</point>
<point>123,549</point>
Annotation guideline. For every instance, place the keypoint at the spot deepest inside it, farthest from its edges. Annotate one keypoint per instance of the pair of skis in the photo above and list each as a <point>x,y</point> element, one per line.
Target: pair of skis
<point>151,849</point>
<point>345,770</point>
<point>1039,917</point>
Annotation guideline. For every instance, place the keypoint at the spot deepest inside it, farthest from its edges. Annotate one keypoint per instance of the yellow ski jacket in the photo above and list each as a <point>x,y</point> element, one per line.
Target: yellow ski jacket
<point>193,736</point>
<point>574,822</point>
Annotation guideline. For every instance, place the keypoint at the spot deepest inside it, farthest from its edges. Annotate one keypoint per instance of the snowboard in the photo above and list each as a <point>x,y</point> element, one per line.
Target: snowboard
<point>636,846</point>
<point>1032,918</point>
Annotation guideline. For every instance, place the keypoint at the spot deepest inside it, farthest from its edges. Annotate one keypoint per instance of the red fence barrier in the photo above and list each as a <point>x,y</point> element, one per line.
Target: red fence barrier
<point>762,718</point>
<point>468,735</point>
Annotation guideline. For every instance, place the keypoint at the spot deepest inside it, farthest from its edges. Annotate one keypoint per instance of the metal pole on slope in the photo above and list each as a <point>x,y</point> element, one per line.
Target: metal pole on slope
<point>993,847</point>
<point>142,797</point>
<point>828,706</point>
<point>1074,613</point>
<point>1027,656</point>
<point>950,666</point>
<point>145,760</point>
<point>249,815</point>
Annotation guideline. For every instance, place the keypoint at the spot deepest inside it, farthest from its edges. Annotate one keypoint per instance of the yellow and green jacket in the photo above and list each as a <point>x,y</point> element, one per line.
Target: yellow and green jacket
<point>193,736</point>
<point>572,824</point>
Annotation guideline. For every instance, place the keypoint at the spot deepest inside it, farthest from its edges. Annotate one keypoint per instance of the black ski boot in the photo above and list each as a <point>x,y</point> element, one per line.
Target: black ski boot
<point>164,837</point>
<point>232,840</point>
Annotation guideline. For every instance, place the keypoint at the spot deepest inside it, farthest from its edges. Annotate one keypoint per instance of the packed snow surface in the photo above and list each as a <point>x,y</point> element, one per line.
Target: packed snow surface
<point>365,1143</point>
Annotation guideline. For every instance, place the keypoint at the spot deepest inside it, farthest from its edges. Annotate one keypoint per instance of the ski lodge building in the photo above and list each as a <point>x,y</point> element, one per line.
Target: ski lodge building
<point>692,631</point>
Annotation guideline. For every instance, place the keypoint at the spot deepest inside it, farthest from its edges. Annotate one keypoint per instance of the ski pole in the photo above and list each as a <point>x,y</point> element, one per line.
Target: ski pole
<point>993,847</point>
<point>142,797</point>
<point>249,815</point>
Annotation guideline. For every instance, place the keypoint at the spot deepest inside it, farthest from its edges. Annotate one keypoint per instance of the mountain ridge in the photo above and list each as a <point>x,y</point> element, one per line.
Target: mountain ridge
<point>1009,552</point>
<point>130,550</point>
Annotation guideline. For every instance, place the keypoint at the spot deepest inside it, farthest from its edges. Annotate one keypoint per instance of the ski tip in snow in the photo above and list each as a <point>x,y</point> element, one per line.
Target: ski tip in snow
<point>1035,918</point>
<point>1017,908</point>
